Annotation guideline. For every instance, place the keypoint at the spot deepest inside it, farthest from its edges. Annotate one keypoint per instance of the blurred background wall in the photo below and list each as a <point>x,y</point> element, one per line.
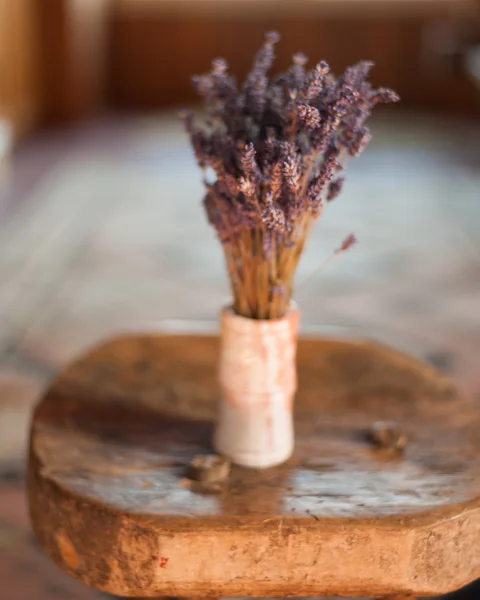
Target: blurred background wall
<point>63,60</point>
<point>418,45</point>
<point>20,37</point>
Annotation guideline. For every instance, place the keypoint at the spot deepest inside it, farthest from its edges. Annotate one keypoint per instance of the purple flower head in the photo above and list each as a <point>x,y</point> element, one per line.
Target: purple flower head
<point>276,146</point>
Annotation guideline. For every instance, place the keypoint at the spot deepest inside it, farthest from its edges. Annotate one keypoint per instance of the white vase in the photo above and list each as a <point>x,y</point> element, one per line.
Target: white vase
<point>258,380</point>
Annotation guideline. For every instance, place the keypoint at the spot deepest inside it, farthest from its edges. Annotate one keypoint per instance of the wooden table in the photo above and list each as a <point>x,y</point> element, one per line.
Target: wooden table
<point>111,503</point>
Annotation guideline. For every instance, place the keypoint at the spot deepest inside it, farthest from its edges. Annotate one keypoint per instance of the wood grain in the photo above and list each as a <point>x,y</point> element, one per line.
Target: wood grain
<point>113,437</point>
<point>20,93</point>
<point>72,59</point>
<point>191,33</point>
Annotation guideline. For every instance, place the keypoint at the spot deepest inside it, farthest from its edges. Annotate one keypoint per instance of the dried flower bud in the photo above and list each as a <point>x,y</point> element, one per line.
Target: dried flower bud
<point>316,81</point>
<point>275,100</point>
<point>270,151</point>
<point>276,180</point>
<point>334,189</point>
<point>247,186</point>
<point>309,115</point>
<point>274,218</point>
<point>330,161</point>
<point>272,37</point>
<point>291,172</point>
<point>347,243</point>
<point>315,188</point>
<point>219,65</point>
<point>250,214</point>
<point>249,164</point>
<point>199,139</point>
<point>229,182</point>
<point>202,84</point>
<point>316,207</point>
<point>384,95</point>
<point>257,97</point>
<point>299,59</point>
<point>322,68</point>
<point>322,178</point>
<point>359,142</point>
<point>264,58</point>
<point>211,209</point>
<point>356,74</point>
<point>218,213</point>
<point>297,71</point>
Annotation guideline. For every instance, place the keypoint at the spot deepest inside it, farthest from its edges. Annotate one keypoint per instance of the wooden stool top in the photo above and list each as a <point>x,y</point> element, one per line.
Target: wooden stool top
<point>111,505</point>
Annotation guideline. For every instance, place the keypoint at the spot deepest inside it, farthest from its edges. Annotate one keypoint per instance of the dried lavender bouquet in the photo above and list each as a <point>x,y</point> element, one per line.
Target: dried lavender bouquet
<point>277,148</point>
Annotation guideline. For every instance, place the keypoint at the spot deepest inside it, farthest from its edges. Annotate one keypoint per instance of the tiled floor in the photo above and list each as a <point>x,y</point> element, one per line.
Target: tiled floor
<point>103,230</point>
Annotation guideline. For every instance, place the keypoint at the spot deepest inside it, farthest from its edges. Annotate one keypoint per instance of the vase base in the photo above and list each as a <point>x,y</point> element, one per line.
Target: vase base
<point>258,437</point>
<point>252,460</point>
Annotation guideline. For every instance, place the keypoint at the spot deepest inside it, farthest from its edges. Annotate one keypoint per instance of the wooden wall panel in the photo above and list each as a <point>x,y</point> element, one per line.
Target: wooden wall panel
<point>152,51</point>
<point>20,92</point>
<point>72,51</point>
<point>62,60</point>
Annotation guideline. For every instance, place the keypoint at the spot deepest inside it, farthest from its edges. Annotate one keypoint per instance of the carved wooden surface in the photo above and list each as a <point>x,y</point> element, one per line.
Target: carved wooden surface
<point>111,504</point>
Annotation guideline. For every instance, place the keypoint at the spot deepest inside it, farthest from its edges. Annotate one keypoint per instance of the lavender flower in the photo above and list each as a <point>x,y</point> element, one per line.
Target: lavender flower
<point>276,147</point>
<point>290,167</point>
<point>297,71</point>
<point>316,81</point>
<point>309,115</point>
<point>347,243</point>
